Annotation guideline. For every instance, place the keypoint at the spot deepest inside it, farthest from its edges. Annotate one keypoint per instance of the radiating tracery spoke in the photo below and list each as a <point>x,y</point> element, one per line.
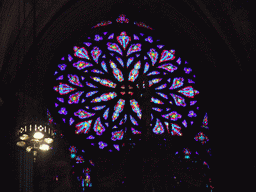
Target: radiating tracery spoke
<point>109,71</point>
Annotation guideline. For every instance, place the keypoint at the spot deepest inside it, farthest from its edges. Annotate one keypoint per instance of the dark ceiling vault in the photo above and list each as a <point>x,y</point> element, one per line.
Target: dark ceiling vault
<point>218,52</point>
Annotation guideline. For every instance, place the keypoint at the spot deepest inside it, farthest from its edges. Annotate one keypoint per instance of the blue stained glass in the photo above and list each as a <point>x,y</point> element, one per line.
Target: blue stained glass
<point>111,36</point>
<point>129,61</point>
<point>60,77</point>
<point>62,67</point>
<point>88,44</point>
<point>90,85</point>
<point>146,67</point>
<point>105,115</point>
<point>162,95</point>
<point>161,87</point>
<point>70,58</point>
<point>71,121</point>
<point>60,99</point>
<point>136,37</point>
<point>133,120</point>
<point>141,34</point>
<point>190,81</point>
<point>91,93</point>
<point>153,73</point>
<point>103,65</point>
<point>160,46</point>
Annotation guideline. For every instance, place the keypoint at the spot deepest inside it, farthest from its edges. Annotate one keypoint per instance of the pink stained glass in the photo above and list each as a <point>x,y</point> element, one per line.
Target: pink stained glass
<point>63,111</point>
<point>105,115</point>
<point>74,79</point>
<point>149,39</point>
<point>96,52</point>
<point>97,108</point>
<point>60,77</point>
<point>122,19</point>
<point>119,107</point>
<point>81,65</point>
<point>129,61</point>
<point>117,135</point>
<point>167,126</point>
<point>176,130</point>
<point>104,82</point>
<point>102,145</point>
<point>116,72</point>
<point>205,122</point>
<point>98,38</point>
<point>62,67</point>
<point>82,114</point>
<point>174,116</point>
<point>192,114</point>
<point>141,24</point>
<point>156,101</point>
<point>134,48</point>
<point>178,100</point>
<point>103,65</point>
<point>161,87</point>
<point>153,73</point>
<point>136,37</point>
<point>104,23</point>
<point>71,121</point>
<point>74,98</point>
<point>64,89</point>
<point>168,67</point>
<point>60,99</point>
<point>79,159</point>
<point>136,108</point>
<point>88,44</point>
<point>91,85</point>
<point>97,71</point>
<point>167,55</point>
<point>98,127</point>
<point>134,72</point>
<point>133,120</point>
<point>120,61</point>
<point>157,109</point>
<point>146,67</point>
<point>114,47</point>
<point>162,95</point>
<point>190,81</point>
<point>179,61</point>
<point>158,129</point>
<point>83,127</point>
<point>72,149</point>
<point>184,123</point>
<point>104,97</point>
<point>153,55</point>
<point>187,91</point>
<point>177,82</point>
<point>201,137</point>
<point>117,147</point>
<point>187,70</point>
<point>154,81</point>
<point>81,52</point>
<point>135,132</point>
<point>123,39</point>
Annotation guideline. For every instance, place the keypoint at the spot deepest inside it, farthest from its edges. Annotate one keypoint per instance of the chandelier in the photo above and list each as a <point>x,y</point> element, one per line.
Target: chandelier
<point>35,137</point>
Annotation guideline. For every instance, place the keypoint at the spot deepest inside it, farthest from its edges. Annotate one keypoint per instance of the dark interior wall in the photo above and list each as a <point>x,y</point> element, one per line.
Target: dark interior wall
<point>219,76</point>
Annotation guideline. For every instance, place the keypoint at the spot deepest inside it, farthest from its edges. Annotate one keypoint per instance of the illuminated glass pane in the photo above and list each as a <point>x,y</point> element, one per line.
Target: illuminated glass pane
<point>119,107</point>
<point>74,79</point>
<point>153,55</point>
<point>167,55</point>
<point>136,108</point>
<point>98,127</point>
<point>114,47</point>
<point>81,52</point>
<point>96,52</point>
<point>82,114</point>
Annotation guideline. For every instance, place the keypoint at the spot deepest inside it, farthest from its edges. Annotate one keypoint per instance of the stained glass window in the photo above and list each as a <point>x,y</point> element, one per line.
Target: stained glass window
<point>95,86</point>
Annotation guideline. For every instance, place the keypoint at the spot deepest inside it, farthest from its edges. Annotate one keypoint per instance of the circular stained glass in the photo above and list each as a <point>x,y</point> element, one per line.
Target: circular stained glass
<point>95,87</point>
